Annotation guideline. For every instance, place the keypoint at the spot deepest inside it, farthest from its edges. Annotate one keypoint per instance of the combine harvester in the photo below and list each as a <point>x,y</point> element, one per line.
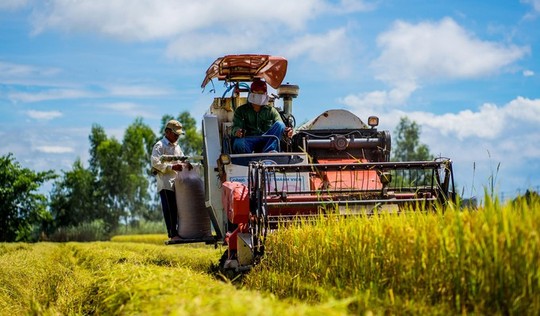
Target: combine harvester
<point>334,164</point>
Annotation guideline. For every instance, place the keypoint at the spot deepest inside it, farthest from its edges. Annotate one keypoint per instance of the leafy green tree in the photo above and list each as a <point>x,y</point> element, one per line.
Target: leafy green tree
<point>72,198</point>
<point>22,209</point>
<point>114,187</point>
<point>111,182</point>
<point>136,146</point>
<point>97,136</point>
<point>117,183</point>
<point>407,145</point>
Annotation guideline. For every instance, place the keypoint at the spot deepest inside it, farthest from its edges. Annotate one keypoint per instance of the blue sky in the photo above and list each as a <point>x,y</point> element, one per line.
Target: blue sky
<point>466,71</point>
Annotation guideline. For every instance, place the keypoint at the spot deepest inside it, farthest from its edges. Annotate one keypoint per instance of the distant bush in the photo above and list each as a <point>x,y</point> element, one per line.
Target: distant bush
<point>94,231</point>
<point>141,227</point>
<point>530,197</point>
<point>97,231</point>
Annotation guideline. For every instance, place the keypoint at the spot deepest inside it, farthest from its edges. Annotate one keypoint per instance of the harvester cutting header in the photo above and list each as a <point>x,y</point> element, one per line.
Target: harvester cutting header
<point>333,164</point>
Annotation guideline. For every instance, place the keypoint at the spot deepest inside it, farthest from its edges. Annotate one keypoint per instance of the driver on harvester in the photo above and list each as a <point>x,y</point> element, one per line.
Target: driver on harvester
<point>257,127</point>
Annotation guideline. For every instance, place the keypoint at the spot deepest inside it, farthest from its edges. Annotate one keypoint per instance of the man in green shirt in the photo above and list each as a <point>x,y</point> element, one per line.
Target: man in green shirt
<point>256,118</point>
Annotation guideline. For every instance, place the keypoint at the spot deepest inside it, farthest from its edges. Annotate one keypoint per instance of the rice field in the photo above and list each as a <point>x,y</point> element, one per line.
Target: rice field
<point>452,262</point>
<point>442,263</point>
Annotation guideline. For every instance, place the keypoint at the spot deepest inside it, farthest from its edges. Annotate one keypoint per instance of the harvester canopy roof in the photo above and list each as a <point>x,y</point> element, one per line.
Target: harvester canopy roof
<point>246,67</point>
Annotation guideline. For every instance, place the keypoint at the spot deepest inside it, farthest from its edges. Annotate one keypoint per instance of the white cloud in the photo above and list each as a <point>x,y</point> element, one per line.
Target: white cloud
<point>10,70</point>
<point>62,93</point>
<point>528,73</point>
<point>489,122</point>
<point>129,109</point>
<point>321,49</point>
<point>534,3</point>
<point>12,4</point>
<point>197,45</point>
<point>494,141</point>
<point>375,100</point>
<point>417,54</point>
<point>523,109</point>
<point>55,149</point>
<point>441,50</point>
<point>349,6</point>
<point>207,29</point>
<point>318,48</point>
<point>137,91</point>
<point>191,25</point>
<point>43,115</point>
<point>54,94</point>
<point>159,19</point>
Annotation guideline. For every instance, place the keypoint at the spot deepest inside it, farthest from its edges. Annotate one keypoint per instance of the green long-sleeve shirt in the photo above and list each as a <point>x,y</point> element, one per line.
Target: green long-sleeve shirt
<point>254,123</point>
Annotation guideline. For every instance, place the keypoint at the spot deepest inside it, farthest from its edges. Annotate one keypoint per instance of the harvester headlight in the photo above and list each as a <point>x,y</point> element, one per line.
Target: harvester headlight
<point>225,159</point>
<point>373,121</point>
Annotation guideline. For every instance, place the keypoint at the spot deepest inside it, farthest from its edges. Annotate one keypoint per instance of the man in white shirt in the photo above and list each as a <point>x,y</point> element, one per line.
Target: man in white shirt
<point>166,173</point>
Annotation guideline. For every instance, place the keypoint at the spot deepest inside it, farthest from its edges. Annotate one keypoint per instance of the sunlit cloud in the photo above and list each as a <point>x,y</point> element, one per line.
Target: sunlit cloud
<point>55,149</point>
<point>534,3</point>
<point>129,109</point>
<point>10,70</point>
<point>13,4</point>
<point>378,100</point>
<point>198,45</point>
<point>428,50</point>
<point>46,94</point>
<point>54,94</point>
<point>43,115</point>
<point>488,122</point>
<point>351,6</point>
<point>158,19</point>
<point>137,91</point>
<point>413,55</point>
<point>321,49</point>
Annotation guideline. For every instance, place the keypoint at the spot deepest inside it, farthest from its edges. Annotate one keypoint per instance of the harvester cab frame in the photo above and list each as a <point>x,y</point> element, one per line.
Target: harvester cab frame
<point>334,164</point>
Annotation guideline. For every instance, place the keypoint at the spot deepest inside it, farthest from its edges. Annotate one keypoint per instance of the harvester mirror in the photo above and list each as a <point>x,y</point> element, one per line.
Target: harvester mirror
<point>373,121</point>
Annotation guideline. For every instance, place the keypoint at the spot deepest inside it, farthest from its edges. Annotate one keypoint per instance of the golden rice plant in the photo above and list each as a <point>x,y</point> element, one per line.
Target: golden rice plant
<point>483,261</point>
<point>41,278</point>
<point>108,278</point>
<point>157,239</point>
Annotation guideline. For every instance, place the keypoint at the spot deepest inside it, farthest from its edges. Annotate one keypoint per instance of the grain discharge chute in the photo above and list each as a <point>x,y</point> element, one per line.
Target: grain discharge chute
<point>333,164</point>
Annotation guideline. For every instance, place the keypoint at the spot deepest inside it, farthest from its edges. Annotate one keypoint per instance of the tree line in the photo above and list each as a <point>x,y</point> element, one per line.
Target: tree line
<point>117,186</point>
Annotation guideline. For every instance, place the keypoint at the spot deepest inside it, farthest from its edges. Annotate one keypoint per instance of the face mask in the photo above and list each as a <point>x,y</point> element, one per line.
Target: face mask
<point>258,98</point>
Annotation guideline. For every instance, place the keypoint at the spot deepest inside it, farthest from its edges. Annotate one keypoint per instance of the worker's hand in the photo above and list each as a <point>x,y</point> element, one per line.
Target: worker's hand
<point>288,132</point>
<point>239,133</point>
<point>177,167</point>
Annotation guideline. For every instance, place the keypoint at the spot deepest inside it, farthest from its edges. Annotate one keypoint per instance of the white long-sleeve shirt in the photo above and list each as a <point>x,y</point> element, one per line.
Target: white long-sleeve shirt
<point>165,176</point>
